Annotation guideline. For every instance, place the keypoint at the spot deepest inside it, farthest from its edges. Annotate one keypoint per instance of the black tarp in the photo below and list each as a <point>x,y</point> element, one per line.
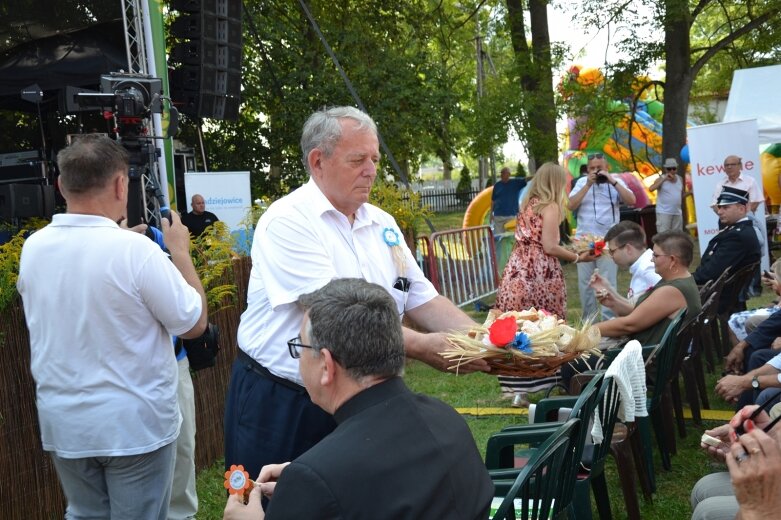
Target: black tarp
<point>57,43</point>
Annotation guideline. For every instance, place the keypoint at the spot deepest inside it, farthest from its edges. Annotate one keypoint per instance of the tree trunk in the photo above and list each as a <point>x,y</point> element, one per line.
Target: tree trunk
<point>679,79</point>
<point>678,83</point>
<point>536,78</point>
<point>447,165</point>
<point>544,111</point>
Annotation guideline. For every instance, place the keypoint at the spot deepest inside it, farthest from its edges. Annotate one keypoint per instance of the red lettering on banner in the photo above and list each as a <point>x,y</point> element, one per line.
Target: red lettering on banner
<point>708,170</point>
<point>719,168</point>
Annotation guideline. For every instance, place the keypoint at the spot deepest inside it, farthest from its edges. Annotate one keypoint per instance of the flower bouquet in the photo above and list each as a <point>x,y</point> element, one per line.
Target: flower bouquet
<point>530,343</point>
<point>588,242</point>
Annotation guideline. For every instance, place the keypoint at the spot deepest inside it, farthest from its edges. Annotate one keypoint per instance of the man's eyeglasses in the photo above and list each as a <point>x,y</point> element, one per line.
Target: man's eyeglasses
<point>294,345</point>
<point>673,169</point>
<point>654,256</point>
<point>614,250</point>
<point>596,156</point>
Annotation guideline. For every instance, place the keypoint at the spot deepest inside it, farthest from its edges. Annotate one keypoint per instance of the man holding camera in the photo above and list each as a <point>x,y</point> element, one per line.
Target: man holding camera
<point>101,304</point>
<point>596,198</point>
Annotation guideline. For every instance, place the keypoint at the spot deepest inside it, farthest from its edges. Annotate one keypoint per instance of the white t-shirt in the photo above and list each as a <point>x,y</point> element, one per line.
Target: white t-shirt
<point>600,208</point>
<point>644,276</point>
<point>301,243</point>
<point>668,197</point>
<point>101,304</point>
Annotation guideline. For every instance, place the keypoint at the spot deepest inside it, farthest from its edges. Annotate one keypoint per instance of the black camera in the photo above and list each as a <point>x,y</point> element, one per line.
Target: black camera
<point>201,351</point>
<point>601,178</point>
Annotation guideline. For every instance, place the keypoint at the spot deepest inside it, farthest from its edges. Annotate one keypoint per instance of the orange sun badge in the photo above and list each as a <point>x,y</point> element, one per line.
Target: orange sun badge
<point>237,481</point>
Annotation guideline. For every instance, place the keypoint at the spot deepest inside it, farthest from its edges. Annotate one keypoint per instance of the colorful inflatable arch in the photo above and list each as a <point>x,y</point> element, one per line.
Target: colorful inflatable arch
<point>629,145</point>
<point>478,211</point>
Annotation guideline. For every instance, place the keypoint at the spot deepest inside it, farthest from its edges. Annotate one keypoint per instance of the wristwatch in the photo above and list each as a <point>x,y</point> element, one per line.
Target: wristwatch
<point>755,382</point>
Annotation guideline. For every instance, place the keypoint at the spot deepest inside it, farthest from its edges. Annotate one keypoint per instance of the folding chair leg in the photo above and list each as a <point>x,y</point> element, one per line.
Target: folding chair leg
<point>581,501</point>
<point>711,345</point>
<point>692,394</point>
<point>675,394</point>
<point>601,496</point>
<point>699,376</point>
<point>622,453</point>
<point>657,422</point>
<point>644,452</point>
<point>668,422</point>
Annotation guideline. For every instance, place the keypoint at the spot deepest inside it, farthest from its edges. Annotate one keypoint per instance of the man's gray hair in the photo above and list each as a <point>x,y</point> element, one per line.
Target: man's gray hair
<point>323,129</point>
<point>358,322</point>
<point>89,163</point>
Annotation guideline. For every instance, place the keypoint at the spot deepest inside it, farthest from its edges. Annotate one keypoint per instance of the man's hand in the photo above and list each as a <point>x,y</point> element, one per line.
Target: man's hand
<point>269,474</point>
<point>236,510</point>
<point>431,344</point>
<point>176,235</point>
<point>598,282</point>
<point>734,360</point>
<point>776,345</point>
<point>138,228</point>
<point>730,387</point>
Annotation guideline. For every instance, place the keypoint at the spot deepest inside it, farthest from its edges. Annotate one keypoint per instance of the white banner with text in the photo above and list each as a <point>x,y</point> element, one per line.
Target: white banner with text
<point>709,145</point>
<point>227,194</point>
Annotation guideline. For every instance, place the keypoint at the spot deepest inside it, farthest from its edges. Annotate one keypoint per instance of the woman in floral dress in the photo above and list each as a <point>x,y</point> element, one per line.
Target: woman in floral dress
<point>533,276</point>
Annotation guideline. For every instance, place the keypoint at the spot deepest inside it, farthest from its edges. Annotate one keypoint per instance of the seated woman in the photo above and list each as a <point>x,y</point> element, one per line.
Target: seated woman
<point>654,310</point>
<point>672,254</point>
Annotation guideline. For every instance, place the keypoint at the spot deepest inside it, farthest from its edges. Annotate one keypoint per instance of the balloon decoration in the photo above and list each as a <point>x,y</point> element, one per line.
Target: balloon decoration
<point>685,154</point>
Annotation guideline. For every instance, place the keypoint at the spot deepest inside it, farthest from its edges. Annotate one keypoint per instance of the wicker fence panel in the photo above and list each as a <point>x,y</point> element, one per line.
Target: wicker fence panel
<point>211,384</point>
<point>28,483</point>
<point>29,487</point>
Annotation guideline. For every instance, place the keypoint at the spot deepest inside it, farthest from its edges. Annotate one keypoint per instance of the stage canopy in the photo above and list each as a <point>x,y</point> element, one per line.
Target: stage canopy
<point>57,43</point>
<point>755,94</point>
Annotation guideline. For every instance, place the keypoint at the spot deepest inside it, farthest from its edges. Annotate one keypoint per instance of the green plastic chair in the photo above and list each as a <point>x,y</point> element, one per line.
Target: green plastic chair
<point>502,447</point>
<point>658,401</point>
<point>539,487</point>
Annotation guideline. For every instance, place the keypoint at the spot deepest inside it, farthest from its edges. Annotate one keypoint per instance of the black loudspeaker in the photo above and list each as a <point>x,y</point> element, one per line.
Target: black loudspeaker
<point>206,80</point>
<point>26,200</point>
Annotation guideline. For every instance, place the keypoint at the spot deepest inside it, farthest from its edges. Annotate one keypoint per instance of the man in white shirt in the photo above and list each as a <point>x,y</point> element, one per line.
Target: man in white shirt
<point>669,190</point>
<point>596,197</point>
<point>733,165</point>
<point>323,230</point>
<point>626,245</point>
<point>101,304</point>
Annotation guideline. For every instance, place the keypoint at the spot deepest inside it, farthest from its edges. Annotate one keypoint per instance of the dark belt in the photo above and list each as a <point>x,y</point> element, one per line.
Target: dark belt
<point>264,372</point>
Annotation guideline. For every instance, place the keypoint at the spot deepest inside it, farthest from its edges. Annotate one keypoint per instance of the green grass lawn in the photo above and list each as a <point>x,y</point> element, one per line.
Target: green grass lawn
<point>671,500</point>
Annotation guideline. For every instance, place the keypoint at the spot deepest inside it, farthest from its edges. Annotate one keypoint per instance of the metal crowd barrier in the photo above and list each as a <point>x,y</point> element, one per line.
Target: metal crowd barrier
<point>461,263</point>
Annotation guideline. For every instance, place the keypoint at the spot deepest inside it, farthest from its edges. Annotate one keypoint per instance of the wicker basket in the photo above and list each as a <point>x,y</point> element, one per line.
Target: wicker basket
<point>528,366</point>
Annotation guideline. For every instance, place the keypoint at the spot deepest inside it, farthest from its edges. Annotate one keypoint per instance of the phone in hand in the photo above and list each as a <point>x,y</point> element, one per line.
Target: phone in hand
<point>713,442</point>
<point>768,275</point>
